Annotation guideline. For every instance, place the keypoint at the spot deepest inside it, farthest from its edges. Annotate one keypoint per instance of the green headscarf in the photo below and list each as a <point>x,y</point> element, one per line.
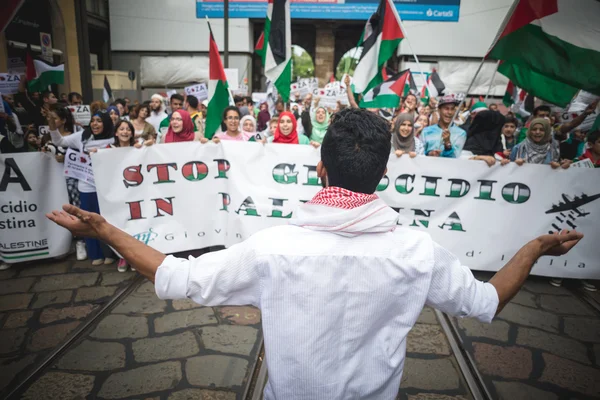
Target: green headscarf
<point>319,129</point>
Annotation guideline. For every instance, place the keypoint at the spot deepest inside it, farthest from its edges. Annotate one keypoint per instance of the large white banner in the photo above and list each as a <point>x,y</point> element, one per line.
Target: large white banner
<point>31,185</point>
<point>185,196</point>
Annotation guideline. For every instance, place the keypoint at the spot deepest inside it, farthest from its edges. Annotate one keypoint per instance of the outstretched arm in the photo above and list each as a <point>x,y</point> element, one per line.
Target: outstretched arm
<point>509,279</point>
<point>85,224</point>
<point>455,291</point>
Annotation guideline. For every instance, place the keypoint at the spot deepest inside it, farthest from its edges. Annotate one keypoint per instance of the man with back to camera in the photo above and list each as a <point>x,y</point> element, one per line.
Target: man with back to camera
<point>341,286</point>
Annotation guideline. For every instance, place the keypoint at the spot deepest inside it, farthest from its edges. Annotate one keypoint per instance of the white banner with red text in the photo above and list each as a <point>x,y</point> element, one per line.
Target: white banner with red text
<point>31,185</point>
<point>185,196</point>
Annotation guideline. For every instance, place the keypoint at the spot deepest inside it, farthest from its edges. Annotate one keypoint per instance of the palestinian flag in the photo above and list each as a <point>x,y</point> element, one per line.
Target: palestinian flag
<point>278,41</point>
<point>434,87</point>
<point>46,75</point>
<point>389,93</point>
<point>410,87</point>
<point>380,39</point>
<point>260,47</point>
<point>511,96</point>
<point>218,90</point>
<point>551,48</point>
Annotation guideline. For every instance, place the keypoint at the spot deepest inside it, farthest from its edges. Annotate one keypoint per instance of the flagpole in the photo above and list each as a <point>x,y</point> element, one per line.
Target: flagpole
<point>492,82</point>
<point>412,50</point>
<point>500,30</point>
<point>468,90</point>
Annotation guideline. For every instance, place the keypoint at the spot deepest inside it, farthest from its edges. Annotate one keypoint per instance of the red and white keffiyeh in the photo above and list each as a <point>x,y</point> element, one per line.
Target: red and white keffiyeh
<point>338,197</point>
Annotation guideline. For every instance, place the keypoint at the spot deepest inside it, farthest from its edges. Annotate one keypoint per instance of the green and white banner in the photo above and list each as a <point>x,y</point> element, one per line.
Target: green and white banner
<point>31,185</point>
<point>186,196</point>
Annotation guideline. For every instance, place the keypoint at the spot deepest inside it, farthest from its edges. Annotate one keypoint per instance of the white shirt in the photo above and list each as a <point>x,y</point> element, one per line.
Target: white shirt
<point>338,292</point>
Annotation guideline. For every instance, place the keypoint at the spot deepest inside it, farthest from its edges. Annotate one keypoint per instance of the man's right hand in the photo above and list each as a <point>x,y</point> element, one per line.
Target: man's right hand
<point>80,223</point>
<point>558,244</point>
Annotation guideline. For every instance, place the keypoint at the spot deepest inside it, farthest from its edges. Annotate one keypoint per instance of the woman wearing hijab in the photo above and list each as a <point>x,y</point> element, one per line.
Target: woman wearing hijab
<point>484,138</point>
<point>287,132</point>
<point>114,114</point>
<point>181,128</point>
<point>538,147</point>
<point>263,117</point>
<point>248,126</point>
<point>99,134</point>
<point>403,137</point>
<point>320,123</point>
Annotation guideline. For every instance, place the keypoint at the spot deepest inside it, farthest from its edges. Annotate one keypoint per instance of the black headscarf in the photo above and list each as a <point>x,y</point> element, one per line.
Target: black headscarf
<point>107,133</point>
<point>483,138</point>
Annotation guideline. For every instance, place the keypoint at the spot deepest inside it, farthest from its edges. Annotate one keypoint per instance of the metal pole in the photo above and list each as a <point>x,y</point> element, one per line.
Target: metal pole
<point>226,33</point>
<point>467,94</point>
<point>492,82</point>
<point>411,49</point>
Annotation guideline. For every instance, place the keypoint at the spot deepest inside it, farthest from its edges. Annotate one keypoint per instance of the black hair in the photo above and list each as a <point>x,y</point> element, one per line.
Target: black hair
<point>73,95</point>
<point>511,120</point>
<point>192,101</point>
<point>249,100</point>
<point>176,96</point>
<point>121,102</point>
<point>131,139</point>
<point>541,108</point>
<point>593,137</point>
<point>45,94</point>
<point>65,113</point>
<point>230,108</point>
<point>356,149</point>
<point>237,99</point>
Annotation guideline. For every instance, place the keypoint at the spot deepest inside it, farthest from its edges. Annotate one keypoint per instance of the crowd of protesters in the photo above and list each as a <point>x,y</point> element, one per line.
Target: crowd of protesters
<point>420,127</point>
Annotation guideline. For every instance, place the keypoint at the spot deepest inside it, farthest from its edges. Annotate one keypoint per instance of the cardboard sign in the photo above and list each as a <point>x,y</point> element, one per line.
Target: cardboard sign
<point>330,97</point>
<point>242,90</point>
<point>78,165</point>
<point>44,130</point>
<point>587,163</point>
<point>303,87</point>
<point>199,91</point>
<point>81,114</point>
<point>9,83</point>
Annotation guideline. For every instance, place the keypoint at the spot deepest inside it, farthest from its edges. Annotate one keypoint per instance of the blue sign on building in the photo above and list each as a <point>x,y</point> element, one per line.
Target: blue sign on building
<point>409,10</point>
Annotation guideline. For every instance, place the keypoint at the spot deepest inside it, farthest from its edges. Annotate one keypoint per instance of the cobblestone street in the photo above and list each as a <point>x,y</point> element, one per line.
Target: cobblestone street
<point>544,345</point>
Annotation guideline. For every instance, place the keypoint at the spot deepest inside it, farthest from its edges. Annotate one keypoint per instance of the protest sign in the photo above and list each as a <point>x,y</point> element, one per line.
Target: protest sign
<point>81,114</point>
<point>188,196</point>
<point>259,97</point>
<point>31,185</point>
<point>578,106</point>
<point>78,165</point>
<point>242,90</point>
<point>9,83</point>
<point>587,163</point>
<point>329,97</point>
<point>43,130</point>
<point>303,87</point>
<point>199,91</point>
